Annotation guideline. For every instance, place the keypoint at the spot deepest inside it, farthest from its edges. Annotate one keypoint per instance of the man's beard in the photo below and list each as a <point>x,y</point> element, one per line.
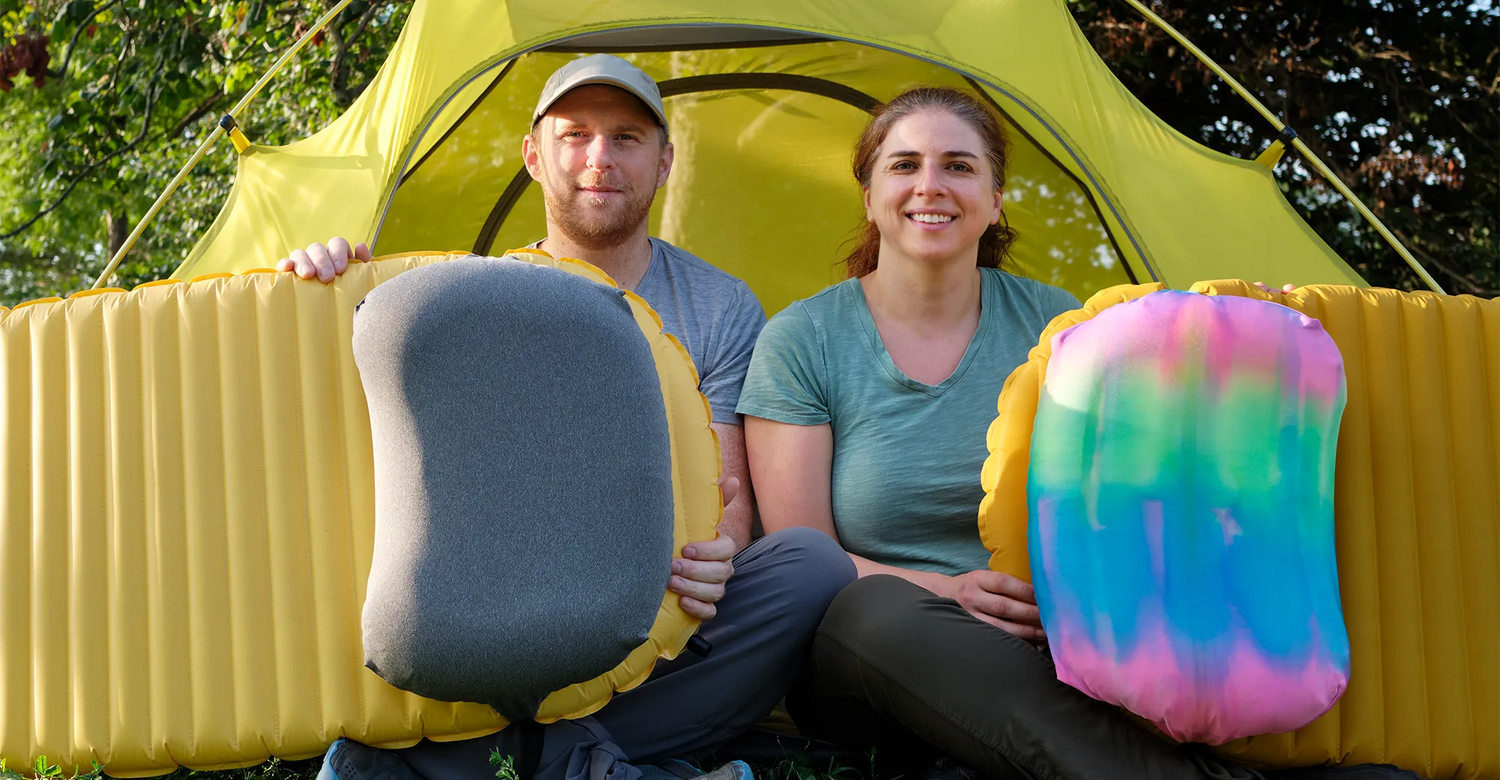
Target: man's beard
<point>591,224</point>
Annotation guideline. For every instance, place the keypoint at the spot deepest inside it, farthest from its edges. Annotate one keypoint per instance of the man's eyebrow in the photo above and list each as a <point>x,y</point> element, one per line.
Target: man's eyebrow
<point>958,153</point>
<point>632,127</point>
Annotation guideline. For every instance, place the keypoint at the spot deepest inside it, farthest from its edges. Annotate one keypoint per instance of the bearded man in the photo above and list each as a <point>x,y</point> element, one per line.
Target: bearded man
<point>599,147</point>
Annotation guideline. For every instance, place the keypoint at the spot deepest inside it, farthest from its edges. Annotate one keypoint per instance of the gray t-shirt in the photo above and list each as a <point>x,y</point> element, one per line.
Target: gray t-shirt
<point>713,314</point>
<point>906,455</point>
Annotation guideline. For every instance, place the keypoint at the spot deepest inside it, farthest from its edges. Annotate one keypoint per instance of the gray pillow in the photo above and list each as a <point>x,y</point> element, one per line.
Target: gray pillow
<point>523,481</point>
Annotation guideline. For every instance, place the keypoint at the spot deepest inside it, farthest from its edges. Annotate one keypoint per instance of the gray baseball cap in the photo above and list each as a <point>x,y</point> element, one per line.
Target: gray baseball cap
<point>601,69</point>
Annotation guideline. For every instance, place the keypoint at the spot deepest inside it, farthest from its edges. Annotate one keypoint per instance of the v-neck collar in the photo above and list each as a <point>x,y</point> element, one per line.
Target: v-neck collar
<point>877,345</point>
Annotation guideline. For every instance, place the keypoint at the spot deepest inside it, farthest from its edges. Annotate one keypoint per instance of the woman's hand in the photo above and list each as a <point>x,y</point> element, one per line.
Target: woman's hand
<point>1000,600</point>
<point>1285,288</point>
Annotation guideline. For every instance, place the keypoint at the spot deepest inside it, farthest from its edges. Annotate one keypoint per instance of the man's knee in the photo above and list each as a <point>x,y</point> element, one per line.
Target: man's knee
<point>800,569</point>
<point>813,568</point>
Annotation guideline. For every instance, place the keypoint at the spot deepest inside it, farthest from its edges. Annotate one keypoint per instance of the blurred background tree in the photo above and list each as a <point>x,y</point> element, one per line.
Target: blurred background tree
<point>101,101</point>
<point>1401,98</point>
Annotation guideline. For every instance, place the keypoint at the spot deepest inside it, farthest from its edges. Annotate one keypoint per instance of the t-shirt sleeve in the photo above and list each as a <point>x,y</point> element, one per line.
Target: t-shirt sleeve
<point>786,378</point>
<point>1056,300</point>
<point>721,384</point>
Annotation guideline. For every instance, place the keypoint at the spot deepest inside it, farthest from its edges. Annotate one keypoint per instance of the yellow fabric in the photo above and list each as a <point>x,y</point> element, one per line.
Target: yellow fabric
<point>1102,191</point>
<point>186,525</point>
<point>1417,523</point>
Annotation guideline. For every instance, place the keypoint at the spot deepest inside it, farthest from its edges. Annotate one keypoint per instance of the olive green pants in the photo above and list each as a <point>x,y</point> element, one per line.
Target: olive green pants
<point>912,676</point>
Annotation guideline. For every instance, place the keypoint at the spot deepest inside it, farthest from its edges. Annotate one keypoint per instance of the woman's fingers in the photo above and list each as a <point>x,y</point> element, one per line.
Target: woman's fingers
<point>1029,633</point>
<point>1006,585</point>
<point>1005,608</point>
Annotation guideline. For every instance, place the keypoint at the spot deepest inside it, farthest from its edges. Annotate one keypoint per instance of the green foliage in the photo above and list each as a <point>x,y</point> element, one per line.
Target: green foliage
<point>127,90</point>
<point>1401,98</point>
<point>505,766</point>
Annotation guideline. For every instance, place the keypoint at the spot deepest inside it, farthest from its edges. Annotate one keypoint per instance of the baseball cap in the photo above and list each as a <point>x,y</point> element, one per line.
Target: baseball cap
<point>601,69</point>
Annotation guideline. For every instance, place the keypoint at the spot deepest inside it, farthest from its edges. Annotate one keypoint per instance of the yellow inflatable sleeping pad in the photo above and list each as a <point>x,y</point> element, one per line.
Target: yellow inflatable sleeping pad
<point>1417,523</point>
<point>187,518</point>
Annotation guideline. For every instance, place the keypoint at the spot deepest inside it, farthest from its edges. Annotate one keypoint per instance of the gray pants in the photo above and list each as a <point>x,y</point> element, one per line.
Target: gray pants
<point>690,705</point>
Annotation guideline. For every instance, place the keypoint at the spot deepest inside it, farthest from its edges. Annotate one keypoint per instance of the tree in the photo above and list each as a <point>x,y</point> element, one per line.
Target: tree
<point>1401,98</point>
<point>101,101</point>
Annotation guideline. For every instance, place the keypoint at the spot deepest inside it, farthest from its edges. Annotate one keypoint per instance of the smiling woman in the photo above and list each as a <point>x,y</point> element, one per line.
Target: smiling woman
<point>859,405</point>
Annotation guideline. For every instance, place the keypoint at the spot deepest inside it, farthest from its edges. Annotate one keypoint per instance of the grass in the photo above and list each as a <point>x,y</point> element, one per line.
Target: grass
<point>799,768</point>
<point>275,769</point>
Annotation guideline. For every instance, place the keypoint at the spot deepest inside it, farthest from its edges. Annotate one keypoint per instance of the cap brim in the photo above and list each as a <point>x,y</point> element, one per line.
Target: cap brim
<point>606,80</point>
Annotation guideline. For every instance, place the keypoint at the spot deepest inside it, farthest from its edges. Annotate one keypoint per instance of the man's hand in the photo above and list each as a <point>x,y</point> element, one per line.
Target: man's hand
<point>1002,601</point>
<point>324,262</point>
<point>699,575</point>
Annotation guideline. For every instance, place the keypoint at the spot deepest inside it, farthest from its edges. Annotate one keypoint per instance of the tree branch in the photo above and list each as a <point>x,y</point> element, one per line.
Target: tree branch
<point>342,95</point>
<point>196,114</point>
<point>1464,280</point>
<point>145,126</point>
<point>62,71</point>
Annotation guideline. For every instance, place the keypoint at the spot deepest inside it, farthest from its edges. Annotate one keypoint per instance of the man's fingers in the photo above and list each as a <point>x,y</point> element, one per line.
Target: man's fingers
<point>698,609</point>
<point>321,260</point>
<point>362,253</point>
<point>285,264</point>
<point>703,571</point>
<point>706,592</point>
<point>720,549</point>
<point>302,265</point>
<point>729,487</point>
<point>340,253</point>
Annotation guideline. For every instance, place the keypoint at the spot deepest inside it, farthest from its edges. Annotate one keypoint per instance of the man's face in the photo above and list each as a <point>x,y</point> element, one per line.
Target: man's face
<point>598,155</point>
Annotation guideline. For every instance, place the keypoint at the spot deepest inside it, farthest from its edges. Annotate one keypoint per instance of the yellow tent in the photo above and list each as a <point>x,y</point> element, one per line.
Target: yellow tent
<point>765,101</point>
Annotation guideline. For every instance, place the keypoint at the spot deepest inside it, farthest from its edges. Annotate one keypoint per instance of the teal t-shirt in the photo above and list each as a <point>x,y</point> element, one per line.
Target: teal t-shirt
<point>906,455</point>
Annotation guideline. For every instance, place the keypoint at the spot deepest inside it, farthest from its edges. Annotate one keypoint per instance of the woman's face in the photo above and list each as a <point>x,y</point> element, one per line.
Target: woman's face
<point>932,192</point>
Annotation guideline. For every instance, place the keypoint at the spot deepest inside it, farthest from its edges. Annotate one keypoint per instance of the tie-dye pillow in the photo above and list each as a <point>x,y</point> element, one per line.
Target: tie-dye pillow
<point>1181,514</point>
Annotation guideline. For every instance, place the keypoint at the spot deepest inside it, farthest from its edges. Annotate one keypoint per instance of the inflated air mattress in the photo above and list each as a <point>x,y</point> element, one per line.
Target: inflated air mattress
<point>1416,514</point>
<point>187,522</point>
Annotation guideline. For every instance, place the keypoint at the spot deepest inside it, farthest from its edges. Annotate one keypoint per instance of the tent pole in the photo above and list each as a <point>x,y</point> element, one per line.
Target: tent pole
<point>208,142</point>
<point>1307,153</point>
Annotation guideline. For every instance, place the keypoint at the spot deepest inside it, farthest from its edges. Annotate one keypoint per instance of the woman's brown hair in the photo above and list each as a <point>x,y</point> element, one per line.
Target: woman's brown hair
<point>994,245</point>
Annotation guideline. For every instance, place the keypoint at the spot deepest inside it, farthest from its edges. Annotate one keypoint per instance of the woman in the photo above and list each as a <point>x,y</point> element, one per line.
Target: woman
<point>865,410</point>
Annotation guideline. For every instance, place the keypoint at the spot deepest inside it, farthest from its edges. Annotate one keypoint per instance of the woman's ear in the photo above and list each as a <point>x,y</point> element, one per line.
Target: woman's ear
<point>865,193</point>
<point>999,206</point>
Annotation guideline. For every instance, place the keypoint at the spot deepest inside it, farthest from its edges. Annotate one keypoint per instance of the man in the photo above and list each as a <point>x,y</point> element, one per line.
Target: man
<point>600,150</point>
